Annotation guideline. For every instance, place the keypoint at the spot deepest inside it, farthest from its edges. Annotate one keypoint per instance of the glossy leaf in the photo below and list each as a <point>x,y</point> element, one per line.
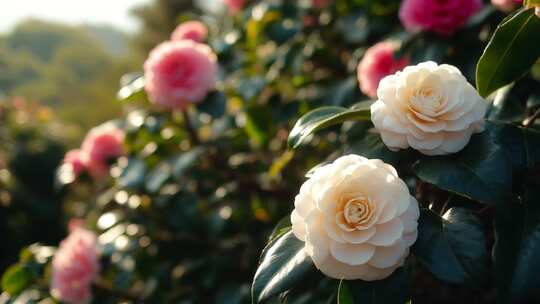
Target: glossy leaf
<point>452,247</point>
<point>481,171</point>
<point>510,52</point>
<point>392,290</point>
<point>132,88</point>
<point>521,144</point>
<point>344,295</point>
<point>517,249</point>
<point>283,264</point>
<point>17,278</point>
<point>322,118</point>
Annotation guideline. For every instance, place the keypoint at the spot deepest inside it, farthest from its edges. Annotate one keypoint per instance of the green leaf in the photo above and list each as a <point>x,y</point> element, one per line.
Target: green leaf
<point>322,118</point>
<point>521,144</point>
<point>392,290</point>
<point>185,161</point>
<point>283,264</point>
<point>452,247</point>
<point>17,278</point>
<point>282,227</point>
<point>481,171</point>
<point>517,249</point>
<point>214,105</point>
<point>344,294</point>
<point>133,175</point>
<point>510,53</point>
<point>132,88</point>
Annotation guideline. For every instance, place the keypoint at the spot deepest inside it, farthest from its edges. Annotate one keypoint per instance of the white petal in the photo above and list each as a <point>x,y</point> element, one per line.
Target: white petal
<point>332,229</point>
<point>298,226</point>
<point>352,254</point>
<point>430,127</point>
<point>387,233</point>
<point>388,213</point>
<point>316,237</point>
<point>455,141</point>
<point>432,141</point>
<point>394,140</point>
<point>409,238</point>
<point>359,236</point>
<point>385,257</point>
<point>337,270</point>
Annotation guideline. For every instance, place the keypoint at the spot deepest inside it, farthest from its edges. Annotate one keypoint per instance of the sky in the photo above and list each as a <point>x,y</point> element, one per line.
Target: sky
<point>111,12</point>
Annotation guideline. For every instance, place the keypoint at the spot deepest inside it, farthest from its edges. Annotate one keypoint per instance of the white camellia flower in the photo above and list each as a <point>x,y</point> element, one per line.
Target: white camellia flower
<point>357,218</point>
<point>429,107</point>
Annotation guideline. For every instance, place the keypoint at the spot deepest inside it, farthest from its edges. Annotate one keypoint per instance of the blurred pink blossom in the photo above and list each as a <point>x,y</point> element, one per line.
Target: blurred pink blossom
<point>235,5</point>
<point>103,144</point>
<point>378,62</point>
<point>75,265</point>
<point>320,3</point>
<point>77,159</point>
<point>442,17</point>
<point>180,72</point>
<point>191,30</point>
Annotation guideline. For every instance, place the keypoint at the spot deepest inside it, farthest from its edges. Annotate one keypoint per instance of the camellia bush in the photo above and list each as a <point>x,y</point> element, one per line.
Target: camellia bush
<point>310,151</point>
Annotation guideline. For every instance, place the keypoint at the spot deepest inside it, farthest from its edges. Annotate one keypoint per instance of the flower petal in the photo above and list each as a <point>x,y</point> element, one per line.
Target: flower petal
<point>352,254</point>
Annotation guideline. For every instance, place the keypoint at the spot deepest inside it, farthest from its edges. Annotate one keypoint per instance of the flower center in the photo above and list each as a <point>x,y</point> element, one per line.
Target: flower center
<point>358,211</point>
<point>426,103</point>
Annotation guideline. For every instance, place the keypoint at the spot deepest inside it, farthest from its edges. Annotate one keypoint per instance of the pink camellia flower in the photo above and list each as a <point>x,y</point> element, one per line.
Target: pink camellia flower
<point>75,265</point>
<point>235,5</point>
<point>191,30</point>
<point>442,17</point>
<point>378,62</point>
<point>180,72</point>
<point>320,3</point>
<point>77,159</point>
<point>103,144</point>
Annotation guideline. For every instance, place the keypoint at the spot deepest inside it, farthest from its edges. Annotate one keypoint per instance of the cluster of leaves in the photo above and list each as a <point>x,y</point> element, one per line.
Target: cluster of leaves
<point>31,147</point>
<point>185,214</point>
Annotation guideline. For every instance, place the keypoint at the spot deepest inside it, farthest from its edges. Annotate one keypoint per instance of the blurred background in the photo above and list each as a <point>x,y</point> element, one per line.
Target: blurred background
<point>60,65</point>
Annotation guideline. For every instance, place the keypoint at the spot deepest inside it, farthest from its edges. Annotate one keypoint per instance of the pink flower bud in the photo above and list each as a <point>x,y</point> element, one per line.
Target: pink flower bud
<point>77,159</point>
<point>180,72</point>
<point>378,62</point>
<point>75,265</point>
<point>235,5</point>
<point>191,30</point>
<point>103,144</point>
<point>442,17</point>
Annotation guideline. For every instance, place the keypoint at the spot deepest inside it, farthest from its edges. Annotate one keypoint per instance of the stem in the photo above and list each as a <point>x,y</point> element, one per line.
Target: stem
<point>189,127</point>
<point>530,120</point>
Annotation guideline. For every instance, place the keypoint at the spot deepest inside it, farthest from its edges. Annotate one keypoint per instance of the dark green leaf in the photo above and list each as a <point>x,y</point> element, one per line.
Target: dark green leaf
<point>344,295</point>
<point>521,144</point>
<point>452,247</point>
<point>132,88</point>
<point>510,53</point>
<point>322,118</point>
<point>481,171</point>
<point>283,264</point>
<point>185,161</point>
<point>17,278</point>
<point>282,227</point>
<point>392,290</point>
<point>158,176</point>
<point>517,249</point>
<point>133,175</point>
<point>214,104</point>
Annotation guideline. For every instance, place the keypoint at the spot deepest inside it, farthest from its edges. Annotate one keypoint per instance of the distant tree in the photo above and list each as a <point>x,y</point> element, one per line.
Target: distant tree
<point>158,20</point>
